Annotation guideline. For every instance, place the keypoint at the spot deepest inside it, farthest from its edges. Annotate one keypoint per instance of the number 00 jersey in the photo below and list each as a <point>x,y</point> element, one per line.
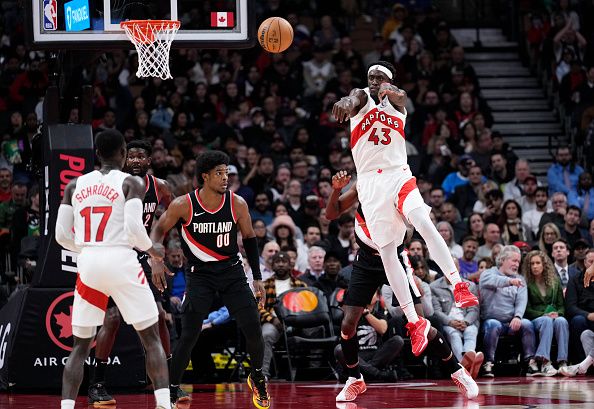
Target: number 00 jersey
<point>210,235</point>
<point>377,136</point>
<point>98,203</point>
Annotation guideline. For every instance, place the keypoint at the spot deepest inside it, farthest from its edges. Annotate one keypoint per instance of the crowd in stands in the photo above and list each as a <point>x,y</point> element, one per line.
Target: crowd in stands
<point>523,244</point>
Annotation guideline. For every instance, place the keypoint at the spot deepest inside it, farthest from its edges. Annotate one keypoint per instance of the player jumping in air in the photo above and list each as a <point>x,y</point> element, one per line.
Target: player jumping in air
<point>386,186</point>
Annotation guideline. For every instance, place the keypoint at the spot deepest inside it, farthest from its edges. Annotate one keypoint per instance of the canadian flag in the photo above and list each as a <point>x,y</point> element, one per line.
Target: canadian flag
<point>222,19</point>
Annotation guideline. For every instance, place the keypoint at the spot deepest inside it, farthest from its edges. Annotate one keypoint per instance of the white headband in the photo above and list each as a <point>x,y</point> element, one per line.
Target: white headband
<point>382,69</point>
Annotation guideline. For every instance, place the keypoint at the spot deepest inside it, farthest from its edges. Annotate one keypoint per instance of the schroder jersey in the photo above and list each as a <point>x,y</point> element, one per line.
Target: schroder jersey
<point>210,235</point>
<point>377,136</point>
<point>98,203</point>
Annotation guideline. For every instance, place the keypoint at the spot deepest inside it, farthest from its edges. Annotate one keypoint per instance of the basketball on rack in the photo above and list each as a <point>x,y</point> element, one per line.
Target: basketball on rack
<point>275,34</point>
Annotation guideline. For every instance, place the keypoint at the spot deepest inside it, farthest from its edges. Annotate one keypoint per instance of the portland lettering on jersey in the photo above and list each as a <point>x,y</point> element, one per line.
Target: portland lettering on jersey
<point>212,227</point>
<point>99,189</point>
<point>149,207</point>
<point>150,202</point>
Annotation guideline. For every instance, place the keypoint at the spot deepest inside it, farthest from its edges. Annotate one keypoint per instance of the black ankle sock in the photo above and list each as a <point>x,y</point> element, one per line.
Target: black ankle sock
<point>99,373</point>
<point>169,363</point>
<point>354,372</point>
<point>257,374</point>
<point>439,347</point>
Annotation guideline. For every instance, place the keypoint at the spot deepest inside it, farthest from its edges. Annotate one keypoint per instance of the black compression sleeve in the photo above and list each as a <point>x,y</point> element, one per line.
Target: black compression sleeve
<point>251,250</point>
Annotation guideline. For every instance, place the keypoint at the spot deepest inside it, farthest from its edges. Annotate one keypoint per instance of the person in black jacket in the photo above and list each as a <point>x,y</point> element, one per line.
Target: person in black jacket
<point>579,307</point>
<point>331,279</point>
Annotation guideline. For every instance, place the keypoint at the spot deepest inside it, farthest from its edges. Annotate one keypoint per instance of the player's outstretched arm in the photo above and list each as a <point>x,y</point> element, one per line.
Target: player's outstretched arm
<point>349,106</point>
<point>65,220</point>
<point>396,96</point>
<point>250,244</point>
<point>340,203</point>
<point>179,209</point>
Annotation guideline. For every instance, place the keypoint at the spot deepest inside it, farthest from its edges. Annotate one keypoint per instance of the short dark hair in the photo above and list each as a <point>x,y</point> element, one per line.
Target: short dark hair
<point>469,238</point>
<point>141,144</point>
<point>574,207</point>
<point>542,189</point>
<point>207,161</point>
<point>562,240</point>
<point>385,64</point>
<point>345,218</point>
<point>109,142</point>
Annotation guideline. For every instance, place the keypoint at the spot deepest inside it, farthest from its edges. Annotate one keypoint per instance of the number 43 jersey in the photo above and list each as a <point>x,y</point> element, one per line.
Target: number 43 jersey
<point>377,136</point>
<point>98,203</point>
<point>210,234</point>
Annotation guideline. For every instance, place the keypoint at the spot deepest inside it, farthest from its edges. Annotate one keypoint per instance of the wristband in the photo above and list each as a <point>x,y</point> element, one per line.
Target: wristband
<point>250,245</point>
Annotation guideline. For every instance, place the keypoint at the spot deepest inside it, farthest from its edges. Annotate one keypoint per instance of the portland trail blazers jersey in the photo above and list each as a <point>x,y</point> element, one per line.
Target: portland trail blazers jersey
<point>377,136</point>
<point>210,235</point>
<point>150,203</point>
<point>98,204</point>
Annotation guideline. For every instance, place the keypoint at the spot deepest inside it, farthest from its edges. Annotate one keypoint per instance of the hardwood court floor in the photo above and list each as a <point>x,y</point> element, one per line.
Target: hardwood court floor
<point>499,393</point>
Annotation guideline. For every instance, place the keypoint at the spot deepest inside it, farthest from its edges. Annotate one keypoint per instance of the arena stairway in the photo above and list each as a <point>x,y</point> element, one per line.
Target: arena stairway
<point>519,105</point>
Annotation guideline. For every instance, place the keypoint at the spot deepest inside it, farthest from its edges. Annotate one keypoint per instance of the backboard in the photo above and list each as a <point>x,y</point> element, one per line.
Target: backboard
<point>95,24</point>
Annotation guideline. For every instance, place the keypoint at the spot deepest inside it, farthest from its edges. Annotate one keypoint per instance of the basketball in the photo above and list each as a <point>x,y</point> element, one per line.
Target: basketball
<point>275,34</point>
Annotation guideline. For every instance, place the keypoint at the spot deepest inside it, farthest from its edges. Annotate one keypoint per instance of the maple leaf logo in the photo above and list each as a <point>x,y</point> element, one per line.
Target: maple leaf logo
<point>65,322</point>
<point>222,19</point>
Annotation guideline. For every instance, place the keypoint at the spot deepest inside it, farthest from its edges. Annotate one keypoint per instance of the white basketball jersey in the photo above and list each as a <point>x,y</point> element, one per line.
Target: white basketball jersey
<point>98,202</point>
<point>377,136</point>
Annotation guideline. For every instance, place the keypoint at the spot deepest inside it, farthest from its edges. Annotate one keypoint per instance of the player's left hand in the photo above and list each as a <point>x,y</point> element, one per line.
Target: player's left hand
<point>260,292</point>
<point>392,92</point>
<point>158,274</point>
<point>340,180</point>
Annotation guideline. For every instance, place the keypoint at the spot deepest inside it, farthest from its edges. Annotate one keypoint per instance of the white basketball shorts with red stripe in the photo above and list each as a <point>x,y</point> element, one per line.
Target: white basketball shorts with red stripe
<point>111,272</point>
<point>383,193</point>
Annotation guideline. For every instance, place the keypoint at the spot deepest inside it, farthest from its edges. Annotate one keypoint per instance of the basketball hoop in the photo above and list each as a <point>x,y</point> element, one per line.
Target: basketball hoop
<point>152,39</point>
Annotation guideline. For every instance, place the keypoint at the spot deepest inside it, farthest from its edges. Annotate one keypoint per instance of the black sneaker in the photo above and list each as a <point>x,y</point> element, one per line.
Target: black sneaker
<point>98,395</point>
<point>177,394</point>
<point>532,369</point>
<point>260,397</point>
<point>488,370</point>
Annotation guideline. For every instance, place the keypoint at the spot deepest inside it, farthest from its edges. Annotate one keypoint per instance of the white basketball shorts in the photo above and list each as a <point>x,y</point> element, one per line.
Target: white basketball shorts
<point>111,272</point>
<point>385,195</point>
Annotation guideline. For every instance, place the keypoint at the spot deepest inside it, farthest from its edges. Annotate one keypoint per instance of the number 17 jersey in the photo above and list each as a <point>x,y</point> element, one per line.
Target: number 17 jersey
<point>377,136</point>
<point>210,235</point>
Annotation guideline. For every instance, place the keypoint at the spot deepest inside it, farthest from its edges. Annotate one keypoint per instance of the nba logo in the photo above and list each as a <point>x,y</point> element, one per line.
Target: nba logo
<point>50,16</point>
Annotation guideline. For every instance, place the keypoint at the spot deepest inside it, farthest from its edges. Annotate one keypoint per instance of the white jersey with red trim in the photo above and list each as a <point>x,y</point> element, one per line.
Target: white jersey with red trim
<point>98,202</point>
<point>377,136</point>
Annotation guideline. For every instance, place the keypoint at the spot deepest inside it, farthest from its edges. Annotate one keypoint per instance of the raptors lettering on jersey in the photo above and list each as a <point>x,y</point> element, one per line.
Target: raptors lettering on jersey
<point>377,136</point>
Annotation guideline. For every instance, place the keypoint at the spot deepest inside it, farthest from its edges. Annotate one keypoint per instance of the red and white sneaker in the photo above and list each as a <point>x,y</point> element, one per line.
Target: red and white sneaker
<point>418,335</point>
<point>465,383</point>
<point>352,388</point>
<point>463,297</point>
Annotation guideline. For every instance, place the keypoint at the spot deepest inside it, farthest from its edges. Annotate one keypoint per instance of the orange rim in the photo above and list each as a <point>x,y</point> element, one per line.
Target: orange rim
<point>143,31</point>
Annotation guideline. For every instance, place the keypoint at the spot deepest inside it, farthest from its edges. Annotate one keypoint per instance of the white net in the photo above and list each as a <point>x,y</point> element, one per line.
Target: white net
<point>152,39</point>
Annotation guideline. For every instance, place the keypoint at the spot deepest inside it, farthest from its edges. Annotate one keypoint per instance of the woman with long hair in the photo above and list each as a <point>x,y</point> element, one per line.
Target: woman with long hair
<point>476,227</point>
<point>548,235</point>
<point>546,309</point>
<point>446,231</point>
<point>510,223</point>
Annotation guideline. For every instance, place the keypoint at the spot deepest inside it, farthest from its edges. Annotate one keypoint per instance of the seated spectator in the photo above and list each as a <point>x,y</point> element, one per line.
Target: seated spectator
<point>546,309</point>
<point>468,264</point>
<point>493,206</point>
<point>557,216</point>
<point>447,232</point>
<point>261,233</point>
<point>234,183</point>
<point>560,253</point>
<point>176,284</point>
<point>492,237</point>
<point>331,279</point>
<point>280,282</point>
<point>417,247</point>
<point>421,270</point>
<point>269,250</point>
<point>375,353</point>
<point>476,227</point>
<point>315,260</point>
<point>587,339</point>
<point>582,195</point>
<point>465,196</point>
<point>485,263</point>
<point>563,175</point>
<point>531,218</point>
<point>549,234</point>
<point>499,170</point>
<point>455,179</point>
<point>450,214</point>
<point>459,325</point>
<point>571,230</point>
<point>341,244</point>
<point>183,182</point>
<point>5,185</point>
<point>284,232</point>
<point>261,209</point>
<point>510,223</point>
<point>527,201</point>
<point>580,251</point>
<point>579,307</point>
<point>515,188</point>
<point>503,304</point>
